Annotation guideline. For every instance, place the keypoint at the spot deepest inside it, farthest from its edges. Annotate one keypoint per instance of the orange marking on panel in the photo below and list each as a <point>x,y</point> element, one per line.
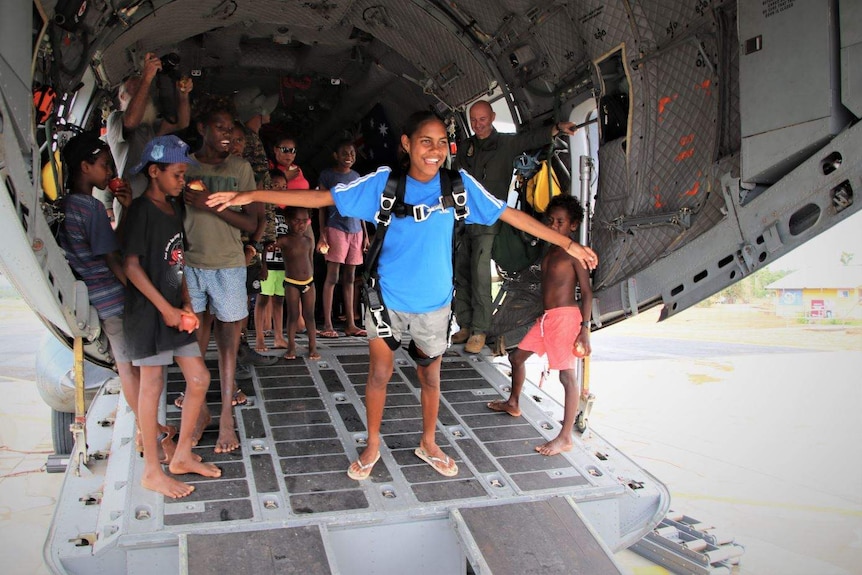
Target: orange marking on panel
<point>658,203</point>
<point>705,86</point>
<point>684,155</point>
<point>693,191</point>
<point>662,102</point>
<point>686,140</point>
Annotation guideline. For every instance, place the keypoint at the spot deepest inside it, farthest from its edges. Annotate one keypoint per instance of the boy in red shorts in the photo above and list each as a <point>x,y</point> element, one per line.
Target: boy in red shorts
<point>563,332</point>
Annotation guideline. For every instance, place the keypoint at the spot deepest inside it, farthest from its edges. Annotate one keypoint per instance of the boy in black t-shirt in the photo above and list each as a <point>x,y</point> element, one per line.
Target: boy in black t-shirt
<point>159,321</point>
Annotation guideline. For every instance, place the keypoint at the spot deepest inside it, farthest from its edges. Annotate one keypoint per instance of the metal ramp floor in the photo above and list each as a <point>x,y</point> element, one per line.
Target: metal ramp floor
<point>303,425</point>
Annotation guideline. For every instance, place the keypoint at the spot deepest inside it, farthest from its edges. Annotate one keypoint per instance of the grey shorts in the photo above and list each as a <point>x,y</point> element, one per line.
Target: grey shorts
<point>167,357</point>
<point>113,328</point>
<point>223,290</point>
<point>429,330</point>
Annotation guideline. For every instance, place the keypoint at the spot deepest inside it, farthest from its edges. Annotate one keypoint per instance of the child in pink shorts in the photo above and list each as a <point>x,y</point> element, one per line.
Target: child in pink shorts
<point>343,240</point>
<point>563,331</point>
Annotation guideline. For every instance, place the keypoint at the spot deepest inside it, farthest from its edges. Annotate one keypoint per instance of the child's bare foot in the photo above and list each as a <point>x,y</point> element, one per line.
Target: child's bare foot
<point>313,355</point>
<point>168,486</point>
<point>555,446</point>
<point>259,345</point>
<point>227,440</point>
<point>500,405</point>
<point>188,464</point>
<point>239,398</point>
<point>290,353</point>
<point>280,343</point>
<point>167,447</point>
<point>204,419</point>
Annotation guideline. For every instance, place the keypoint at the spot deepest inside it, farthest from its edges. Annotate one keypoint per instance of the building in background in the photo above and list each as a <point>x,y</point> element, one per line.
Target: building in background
<point>833,292</point>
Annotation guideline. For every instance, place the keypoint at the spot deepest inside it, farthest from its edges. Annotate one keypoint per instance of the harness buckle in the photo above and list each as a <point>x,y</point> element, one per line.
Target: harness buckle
<point>381,220</point>
<point>460,200</point>
<point>387,202</point>
<point>383,328</point>
<point>421,212</point>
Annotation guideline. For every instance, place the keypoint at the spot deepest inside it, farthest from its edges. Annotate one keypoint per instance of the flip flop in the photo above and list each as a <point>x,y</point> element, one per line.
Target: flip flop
<point>364,470</point>
<point>357,333</point>
<point>328,334</point>
<point>260,349</point>
<point>441,466</point>
<point>179,400</point>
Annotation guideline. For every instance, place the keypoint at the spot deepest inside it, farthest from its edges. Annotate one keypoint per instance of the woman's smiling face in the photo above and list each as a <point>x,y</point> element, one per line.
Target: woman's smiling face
<point>427,147</point>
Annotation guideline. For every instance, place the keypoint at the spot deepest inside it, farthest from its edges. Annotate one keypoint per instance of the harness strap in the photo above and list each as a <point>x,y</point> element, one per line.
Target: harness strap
<point>392,193</point>
<point>453,195</point>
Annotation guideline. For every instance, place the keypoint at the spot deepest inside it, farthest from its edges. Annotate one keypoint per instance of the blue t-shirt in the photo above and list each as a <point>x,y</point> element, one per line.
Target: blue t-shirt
<point>415,265</point>
<point>328,179</point>
<point>87,237</point>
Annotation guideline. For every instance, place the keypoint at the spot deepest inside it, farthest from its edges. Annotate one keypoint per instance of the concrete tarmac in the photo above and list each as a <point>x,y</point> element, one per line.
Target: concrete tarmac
<point>763,445</point>
<point>27,493</point>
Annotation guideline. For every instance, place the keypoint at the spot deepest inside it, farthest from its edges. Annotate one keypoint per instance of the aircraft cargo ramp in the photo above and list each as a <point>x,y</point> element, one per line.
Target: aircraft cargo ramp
<point>284,503</point>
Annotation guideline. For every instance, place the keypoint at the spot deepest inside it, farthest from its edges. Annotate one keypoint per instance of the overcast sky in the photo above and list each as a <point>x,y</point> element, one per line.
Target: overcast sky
<point>827,247</point>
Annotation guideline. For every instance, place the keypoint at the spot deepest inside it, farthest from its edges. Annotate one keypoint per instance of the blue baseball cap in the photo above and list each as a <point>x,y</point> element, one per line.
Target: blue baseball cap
<point>165,150</point>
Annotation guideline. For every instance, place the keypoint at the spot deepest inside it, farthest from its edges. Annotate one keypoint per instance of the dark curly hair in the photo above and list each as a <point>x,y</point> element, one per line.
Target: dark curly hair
<point>569,203</point>
<point>209,105</point>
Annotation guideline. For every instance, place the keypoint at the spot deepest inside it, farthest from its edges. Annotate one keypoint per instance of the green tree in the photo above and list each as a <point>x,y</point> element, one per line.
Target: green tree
<point>751,287</point>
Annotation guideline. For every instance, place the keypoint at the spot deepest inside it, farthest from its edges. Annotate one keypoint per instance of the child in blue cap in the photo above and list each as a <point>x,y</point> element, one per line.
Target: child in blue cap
<point>160,323</point>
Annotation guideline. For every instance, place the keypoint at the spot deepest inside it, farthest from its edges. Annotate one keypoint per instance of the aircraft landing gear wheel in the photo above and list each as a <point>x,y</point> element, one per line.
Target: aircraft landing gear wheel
<point>63,440</point>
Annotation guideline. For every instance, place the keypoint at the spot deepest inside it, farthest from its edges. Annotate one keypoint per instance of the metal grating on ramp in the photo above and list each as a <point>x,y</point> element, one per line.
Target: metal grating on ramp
<point>305,423</point>
<point>533,537</point>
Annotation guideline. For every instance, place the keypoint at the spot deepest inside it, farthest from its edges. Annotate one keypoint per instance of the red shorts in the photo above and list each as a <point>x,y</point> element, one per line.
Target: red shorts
<point>344,247</point>
<point>554,335</point>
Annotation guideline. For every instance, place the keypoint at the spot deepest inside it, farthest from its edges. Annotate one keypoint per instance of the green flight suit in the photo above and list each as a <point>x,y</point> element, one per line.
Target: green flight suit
<point>491,162</point>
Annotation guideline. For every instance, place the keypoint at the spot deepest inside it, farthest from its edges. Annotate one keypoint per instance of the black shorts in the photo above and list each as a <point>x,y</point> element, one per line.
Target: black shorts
<point>252,278</point>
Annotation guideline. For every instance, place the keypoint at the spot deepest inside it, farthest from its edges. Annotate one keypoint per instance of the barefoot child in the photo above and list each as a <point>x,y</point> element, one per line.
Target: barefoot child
<point>92,251</point>
<point>563,332</point>
<point>269,307</point>
<point>415,272</point>
<point>343,240</point>
<point>297,248</point>
<point>160,322</point>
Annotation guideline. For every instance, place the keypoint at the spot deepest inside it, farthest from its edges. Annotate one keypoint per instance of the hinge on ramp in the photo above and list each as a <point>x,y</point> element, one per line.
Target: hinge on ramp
<point>685,545</point>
